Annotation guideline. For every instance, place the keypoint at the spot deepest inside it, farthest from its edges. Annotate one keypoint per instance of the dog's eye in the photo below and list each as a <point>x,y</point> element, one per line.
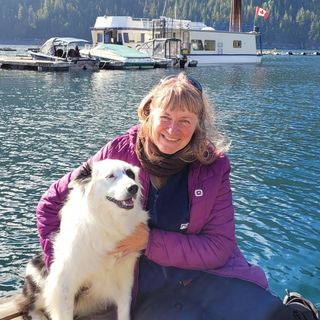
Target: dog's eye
<point>130,174</point>
<point>110,176</point>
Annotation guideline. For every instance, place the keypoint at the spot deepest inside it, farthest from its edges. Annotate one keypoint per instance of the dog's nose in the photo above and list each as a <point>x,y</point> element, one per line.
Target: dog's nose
<point>133,189</point>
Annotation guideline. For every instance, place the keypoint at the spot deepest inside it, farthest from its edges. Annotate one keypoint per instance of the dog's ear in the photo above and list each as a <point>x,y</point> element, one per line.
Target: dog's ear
<point>85,173</point>
<point>83,176</point>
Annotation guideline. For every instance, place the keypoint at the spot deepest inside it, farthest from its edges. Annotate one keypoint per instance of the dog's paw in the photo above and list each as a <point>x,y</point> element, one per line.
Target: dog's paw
<point>35,315</point>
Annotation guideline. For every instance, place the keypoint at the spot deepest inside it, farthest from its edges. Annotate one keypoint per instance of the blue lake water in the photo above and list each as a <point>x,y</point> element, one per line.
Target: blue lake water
<point>51,122</point>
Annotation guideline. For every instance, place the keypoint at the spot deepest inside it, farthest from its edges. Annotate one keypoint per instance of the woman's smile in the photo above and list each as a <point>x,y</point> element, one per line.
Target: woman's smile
<point>170,138</point>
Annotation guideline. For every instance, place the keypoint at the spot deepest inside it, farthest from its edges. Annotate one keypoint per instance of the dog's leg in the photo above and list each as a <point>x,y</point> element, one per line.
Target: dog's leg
<point>123,296</point>
<point>59,296</point>
<point>124,308</point>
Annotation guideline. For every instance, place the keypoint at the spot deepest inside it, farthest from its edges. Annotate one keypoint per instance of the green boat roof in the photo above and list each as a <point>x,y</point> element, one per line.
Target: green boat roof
<point>122,50</point>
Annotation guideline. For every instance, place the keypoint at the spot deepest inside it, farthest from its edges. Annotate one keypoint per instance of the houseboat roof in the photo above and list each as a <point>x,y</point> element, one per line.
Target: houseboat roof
<point>127,22</point>
<point>104,22</point>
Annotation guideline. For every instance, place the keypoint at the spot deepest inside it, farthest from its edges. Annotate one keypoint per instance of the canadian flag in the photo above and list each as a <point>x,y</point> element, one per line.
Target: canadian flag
<point>261,12</point>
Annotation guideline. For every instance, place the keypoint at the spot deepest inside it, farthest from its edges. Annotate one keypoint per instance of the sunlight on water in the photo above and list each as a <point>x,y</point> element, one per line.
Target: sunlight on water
<point>51,122</point>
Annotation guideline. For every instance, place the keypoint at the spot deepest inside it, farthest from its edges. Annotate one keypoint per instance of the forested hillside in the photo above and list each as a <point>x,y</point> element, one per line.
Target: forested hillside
<point>291,23</point>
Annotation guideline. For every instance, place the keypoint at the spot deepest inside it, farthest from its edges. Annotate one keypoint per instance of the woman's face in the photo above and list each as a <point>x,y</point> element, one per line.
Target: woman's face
<point>172,129</point>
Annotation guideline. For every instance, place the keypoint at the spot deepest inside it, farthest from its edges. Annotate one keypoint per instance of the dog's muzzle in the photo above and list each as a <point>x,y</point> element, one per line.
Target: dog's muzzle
<point>129,202</point>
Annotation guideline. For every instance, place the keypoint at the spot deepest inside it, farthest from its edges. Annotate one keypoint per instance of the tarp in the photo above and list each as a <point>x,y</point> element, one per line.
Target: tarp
<point>121,50</point>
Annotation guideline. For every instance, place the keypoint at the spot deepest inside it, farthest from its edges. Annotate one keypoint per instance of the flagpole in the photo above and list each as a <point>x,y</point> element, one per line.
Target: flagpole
<point>254,19</point>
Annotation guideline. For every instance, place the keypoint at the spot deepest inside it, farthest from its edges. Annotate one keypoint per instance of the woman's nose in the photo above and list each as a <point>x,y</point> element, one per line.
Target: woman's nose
<point>172,127</point>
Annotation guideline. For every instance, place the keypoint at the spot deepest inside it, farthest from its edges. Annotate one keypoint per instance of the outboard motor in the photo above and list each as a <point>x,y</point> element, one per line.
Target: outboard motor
<point>183,59</point>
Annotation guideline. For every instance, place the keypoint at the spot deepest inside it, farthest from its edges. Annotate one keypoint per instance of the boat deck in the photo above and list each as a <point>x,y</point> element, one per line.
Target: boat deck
<point>26,63</point>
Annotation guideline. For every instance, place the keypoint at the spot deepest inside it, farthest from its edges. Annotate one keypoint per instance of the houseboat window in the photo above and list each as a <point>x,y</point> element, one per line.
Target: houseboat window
<point>99,37</point>
<point>209,45</point>
<point>125,37</point>
<point>196,44</point>
<point>119,38</point>
<point>237,44</point>
<point>142,38</point>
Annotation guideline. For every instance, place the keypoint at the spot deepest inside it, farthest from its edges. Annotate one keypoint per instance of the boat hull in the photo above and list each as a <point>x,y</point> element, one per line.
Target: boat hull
<point>85,64</point>
<point>45,57</point>
<point>212,59</point>
<point>117,65</point>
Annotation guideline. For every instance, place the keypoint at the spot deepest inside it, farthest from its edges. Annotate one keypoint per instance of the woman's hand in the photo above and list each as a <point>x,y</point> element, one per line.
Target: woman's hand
<point>136,241</point>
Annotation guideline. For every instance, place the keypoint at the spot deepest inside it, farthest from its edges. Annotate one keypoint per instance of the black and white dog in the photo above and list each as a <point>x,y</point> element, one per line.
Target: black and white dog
<point>103,207</point>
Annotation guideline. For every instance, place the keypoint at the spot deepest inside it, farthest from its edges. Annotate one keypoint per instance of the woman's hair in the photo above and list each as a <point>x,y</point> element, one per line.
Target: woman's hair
<point>181,92</point>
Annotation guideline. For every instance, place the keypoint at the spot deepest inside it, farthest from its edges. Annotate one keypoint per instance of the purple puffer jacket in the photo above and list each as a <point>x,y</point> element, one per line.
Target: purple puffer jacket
<point>209,243</point>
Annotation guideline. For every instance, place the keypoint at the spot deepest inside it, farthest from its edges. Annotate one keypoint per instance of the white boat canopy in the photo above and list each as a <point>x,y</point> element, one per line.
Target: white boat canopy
<point>50,44</point>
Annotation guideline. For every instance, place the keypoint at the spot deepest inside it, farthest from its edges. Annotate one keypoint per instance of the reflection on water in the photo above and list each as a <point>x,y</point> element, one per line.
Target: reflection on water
<point>51,122</point>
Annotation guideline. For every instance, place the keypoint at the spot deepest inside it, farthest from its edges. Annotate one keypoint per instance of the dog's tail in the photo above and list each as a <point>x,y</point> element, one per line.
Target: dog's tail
<point>26,300</point>
<point>31,296</point>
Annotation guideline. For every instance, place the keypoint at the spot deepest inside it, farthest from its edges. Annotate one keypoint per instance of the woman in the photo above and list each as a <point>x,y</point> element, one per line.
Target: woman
<point>191,267</point>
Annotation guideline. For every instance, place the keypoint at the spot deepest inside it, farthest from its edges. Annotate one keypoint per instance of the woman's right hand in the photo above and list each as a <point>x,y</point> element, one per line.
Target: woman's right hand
<point>135,242</point>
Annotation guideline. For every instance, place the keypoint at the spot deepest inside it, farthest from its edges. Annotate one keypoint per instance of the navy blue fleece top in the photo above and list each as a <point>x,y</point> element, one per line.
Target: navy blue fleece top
<point>169,210</point>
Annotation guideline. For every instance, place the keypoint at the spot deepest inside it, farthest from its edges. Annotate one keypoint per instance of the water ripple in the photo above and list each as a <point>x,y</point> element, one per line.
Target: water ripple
<point>51,122</point>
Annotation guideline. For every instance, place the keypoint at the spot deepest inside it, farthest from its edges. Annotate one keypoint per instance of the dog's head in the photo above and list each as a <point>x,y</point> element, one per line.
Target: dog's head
<point>112,181</point>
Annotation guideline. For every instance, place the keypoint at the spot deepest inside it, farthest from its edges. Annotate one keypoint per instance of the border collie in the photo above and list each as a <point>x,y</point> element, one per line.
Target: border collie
<point>103,208</point>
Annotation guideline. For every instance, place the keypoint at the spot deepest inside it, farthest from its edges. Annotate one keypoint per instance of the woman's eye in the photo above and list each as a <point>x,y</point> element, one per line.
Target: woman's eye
<point>164,118</point>
<point>185,122</point>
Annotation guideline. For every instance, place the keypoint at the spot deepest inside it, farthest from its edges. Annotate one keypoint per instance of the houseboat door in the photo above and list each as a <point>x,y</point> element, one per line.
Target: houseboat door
<point>111,37</point>
<point>185,40</point>
<point>220,47</point>
<point>172,48</point>
<point>107,37</point>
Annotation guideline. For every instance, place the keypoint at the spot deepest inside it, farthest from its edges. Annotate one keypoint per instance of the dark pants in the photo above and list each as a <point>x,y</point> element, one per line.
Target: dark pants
<point>210,297</point>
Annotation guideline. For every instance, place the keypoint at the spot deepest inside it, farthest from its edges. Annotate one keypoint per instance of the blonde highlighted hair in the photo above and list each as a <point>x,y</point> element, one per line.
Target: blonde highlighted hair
<point>184,93</point>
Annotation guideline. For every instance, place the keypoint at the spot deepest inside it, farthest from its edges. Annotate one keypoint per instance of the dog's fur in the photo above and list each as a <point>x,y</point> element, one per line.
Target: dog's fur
<point>103,207</point>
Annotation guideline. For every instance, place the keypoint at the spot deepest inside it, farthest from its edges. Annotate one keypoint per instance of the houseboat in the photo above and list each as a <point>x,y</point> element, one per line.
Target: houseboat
<point>199,42</point>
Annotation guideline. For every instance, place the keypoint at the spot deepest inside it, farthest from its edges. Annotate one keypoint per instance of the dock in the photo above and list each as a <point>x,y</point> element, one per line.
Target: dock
<point>9,310</point>
<point>27,63</point>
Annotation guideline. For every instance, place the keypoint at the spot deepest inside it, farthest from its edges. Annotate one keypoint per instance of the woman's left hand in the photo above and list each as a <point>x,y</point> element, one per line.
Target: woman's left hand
<point>136,241</point>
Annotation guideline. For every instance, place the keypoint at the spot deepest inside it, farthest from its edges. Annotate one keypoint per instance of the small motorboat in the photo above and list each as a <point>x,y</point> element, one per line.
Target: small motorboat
<point>66,50</point>
<point>115,56</point>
